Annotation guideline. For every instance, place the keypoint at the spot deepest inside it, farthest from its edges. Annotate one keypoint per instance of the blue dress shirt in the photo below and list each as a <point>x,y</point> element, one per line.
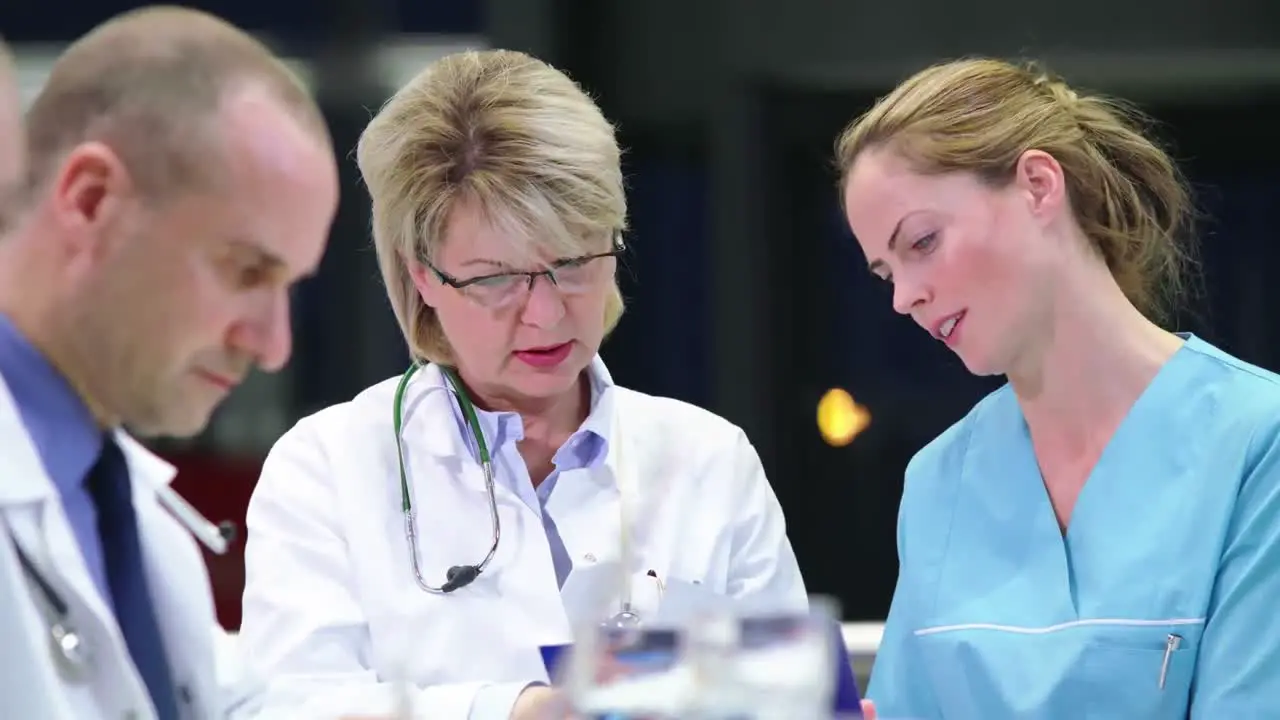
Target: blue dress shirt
<point>65,434</point>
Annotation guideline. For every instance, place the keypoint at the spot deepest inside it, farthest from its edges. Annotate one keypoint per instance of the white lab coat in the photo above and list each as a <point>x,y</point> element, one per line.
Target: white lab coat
<point>31,685</point>
<point>332,614</point>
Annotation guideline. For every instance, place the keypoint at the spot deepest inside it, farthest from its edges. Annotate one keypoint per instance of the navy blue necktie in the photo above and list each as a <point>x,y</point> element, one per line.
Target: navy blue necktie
<point>109,485</point>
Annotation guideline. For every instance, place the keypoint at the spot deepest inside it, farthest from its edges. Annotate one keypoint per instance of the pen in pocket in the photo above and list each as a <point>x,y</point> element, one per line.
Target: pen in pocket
<point>1171,644</point>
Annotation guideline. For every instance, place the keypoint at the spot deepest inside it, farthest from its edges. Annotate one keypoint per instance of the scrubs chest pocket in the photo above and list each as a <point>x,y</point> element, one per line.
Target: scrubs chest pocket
<point>1144,671</point>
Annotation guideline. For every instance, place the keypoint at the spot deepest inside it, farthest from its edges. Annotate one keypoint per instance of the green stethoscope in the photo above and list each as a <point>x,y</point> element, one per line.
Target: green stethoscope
<point>459,576</point>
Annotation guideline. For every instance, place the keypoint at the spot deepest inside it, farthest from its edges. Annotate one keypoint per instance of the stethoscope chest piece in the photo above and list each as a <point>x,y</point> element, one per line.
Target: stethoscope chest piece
<point>69,651</point>
<point>624,620</point>
<point>623,629</point>
<point>67,647</point>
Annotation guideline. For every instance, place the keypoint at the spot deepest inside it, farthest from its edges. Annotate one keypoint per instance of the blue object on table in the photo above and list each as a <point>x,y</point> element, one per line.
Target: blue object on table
<point>847,701</point>
<point>551,657</point>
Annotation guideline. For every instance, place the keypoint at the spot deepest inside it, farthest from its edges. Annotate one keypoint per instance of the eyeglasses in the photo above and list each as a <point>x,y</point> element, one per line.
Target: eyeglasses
<point>571,276</point>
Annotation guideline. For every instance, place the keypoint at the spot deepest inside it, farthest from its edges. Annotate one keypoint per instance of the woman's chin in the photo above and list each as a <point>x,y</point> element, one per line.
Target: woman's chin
<point>980,364</point>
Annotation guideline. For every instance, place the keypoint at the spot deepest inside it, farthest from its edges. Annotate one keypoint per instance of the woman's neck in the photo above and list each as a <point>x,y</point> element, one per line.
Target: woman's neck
<point>548,422</point>
<point>1095,357</point>
<point>562,412</point>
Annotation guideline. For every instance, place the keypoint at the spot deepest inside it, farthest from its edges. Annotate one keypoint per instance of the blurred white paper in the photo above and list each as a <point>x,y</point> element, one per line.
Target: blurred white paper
<point>590,593</point>
<point>684,602</point>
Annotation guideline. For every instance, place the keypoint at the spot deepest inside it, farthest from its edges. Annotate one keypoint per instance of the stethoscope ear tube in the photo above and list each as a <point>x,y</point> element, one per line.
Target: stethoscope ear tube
<point>458,576</point>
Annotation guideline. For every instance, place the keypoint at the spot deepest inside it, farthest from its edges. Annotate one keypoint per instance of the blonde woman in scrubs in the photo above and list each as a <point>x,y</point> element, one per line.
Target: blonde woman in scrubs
<point>1100,537</point>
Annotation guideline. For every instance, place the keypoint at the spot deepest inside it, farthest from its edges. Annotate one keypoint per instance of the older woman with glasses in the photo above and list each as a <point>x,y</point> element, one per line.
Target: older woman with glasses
<point>422,541</point>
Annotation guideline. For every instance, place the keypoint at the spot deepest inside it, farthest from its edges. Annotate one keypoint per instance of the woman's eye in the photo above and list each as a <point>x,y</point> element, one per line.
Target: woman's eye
<point>924,243</point>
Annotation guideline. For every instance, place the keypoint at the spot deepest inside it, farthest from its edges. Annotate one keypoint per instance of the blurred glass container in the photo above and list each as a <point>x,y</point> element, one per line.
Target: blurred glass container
<point>723,666</point>
<point>786,662</point>
<point>614,674</point>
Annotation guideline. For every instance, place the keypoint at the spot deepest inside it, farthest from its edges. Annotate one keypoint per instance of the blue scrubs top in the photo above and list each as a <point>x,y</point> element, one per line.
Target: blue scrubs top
<point>1161,600</point>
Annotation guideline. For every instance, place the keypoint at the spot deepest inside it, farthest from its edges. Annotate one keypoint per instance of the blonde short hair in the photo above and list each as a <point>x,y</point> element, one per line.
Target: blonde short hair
<point>981,115</point>
<point>507,134</point>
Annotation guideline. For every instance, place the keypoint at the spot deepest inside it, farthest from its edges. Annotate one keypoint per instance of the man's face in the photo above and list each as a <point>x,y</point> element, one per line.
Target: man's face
<point>179,300</point>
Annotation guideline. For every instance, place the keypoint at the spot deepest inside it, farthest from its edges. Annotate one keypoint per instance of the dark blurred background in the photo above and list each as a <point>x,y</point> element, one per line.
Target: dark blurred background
<point>746,293</point>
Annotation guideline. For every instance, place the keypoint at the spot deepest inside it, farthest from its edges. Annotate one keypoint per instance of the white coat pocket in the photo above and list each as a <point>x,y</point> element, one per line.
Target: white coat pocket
<point>682,601</point>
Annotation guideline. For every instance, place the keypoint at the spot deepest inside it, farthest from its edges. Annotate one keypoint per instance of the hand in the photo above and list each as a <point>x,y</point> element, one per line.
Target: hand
<point>539,702</point>
<point>868,710</point>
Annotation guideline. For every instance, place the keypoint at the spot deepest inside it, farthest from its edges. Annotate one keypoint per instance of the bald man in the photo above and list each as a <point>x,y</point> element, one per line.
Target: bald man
<point>179,181</point>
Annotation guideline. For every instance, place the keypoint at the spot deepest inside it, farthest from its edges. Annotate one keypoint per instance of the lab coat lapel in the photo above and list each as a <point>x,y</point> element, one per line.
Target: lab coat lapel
<point>34,517</point>
<point>178,583</point>
<point>429,425</point>
<point>591,507</point>
<point>24,478</point>
<point>34,512</point>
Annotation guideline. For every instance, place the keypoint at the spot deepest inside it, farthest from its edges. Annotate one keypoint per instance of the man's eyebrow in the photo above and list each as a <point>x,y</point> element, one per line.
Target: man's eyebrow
<point>258,253</point>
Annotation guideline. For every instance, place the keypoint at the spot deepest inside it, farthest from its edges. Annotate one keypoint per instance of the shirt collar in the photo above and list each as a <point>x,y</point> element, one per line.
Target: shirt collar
<point>586,448</point>
<point>59,423</point>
